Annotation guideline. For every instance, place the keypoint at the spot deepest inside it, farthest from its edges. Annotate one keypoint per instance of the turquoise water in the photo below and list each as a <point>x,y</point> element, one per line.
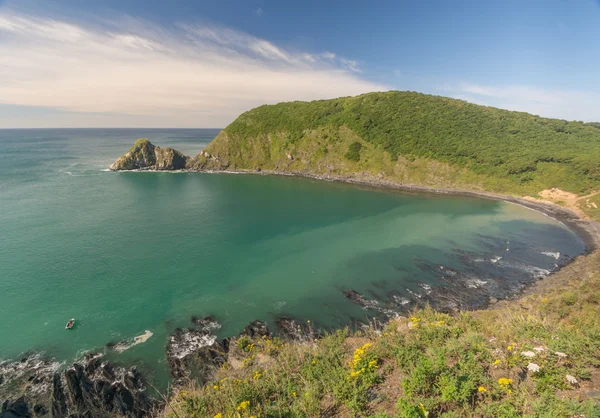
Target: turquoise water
<point>129,252</point>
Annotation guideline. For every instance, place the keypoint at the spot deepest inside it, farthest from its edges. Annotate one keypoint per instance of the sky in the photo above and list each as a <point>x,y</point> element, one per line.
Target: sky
<point>199,64</point>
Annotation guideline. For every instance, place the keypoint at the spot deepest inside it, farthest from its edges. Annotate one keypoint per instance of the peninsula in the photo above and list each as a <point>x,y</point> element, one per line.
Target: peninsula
<point>403,139</point>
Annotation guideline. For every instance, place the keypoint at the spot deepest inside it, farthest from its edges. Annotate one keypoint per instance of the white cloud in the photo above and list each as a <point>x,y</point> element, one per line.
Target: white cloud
<point>189,75</point>
<point>548,102</point>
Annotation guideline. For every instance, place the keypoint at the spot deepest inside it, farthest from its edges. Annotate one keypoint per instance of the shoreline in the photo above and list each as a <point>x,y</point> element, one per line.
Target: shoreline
<point>586,229</point>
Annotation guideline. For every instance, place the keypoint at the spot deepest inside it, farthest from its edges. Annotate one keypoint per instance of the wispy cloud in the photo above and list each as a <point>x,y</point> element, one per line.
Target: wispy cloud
<point>564,104</point>
<point>186,75</point>
<point>259,11</point>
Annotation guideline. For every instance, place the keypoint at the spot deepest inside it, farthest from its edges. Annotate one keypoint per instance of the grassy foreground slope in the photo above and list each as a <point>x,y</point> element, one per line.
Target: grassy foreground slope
<point>413,138</point>
<point>538,356</point>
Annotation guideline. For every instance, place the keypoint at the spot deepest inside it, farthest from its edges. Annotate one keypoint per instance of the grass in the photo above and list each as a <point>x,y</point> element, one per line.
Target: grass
<point>417,138</point>
<point>511,361</point>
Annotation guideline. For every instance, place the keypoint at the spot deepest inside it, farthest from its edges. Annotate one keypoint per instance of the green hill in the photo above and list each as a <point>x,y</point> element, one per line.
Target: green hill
<point>412,138</point>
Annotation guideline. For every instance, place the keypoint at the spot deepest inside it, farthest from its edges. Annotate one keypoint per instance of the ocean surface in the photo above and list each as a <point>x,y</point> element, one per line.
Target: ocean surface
<point>139,253</point>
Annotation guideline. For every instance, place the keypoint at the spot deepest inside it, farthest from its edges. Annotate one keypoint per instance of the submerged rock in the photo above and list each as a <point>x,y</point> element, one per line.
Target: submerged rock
<point>146,156</point>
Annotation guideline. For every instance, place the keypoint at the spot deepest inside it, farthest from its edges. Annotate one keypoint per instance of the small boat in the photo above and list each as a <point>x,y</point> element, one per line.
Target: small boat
<point>70,323</point>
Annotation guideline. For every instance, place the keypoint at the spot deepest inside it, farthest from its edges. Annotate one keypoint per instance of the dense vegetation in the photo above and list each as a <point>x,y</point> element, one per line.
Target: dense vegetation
<point>496,149</point>
<point>535,357</point>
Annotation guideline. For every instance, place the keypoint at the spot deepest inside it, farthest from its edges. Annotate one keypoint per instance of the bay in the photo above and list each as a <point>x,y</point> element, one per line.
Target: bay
<point>126,253</point>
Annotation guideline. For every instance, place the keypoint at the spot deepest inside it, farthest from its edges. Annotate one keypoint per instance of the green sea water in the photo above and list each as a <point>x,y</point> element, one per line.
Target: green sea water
<point>125,253</point>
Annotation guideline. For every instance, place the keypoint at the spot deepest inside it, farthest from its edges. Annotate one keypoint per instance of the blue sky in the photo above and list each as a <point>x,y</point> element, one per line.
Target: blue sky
<point>150,63</point>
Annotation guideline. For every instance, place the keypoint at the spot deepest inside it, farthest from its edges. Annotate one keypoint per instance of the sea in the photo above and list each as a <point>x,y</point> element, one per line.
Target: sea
<point>134,255</point>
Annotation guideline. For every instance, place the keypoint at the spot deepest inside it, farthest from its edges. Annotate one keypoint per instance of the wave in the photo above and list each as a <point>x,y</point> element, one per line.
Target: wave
<point>127,344</point>
<point>556,255</point>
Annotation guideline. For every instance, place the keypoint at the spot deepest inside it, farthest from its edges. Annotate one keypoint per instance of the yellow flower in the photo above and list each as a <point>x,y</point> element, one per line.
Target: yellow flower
<point>414,319</point>
<point>314,362</point>
<point>509,348</point>
<point>497,362</point>
<point>218,415</point>
<point>294,394</point>
<point>243,405</point>
<point>257,375</point>
<point>503,381</point>
<point>509,391</point>
<point>481,389</point>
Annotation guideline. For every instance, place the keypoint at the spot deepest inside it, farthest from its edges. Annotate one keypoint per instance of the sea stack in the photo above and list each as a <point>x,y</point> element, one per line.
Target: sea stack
<point>146,156</point>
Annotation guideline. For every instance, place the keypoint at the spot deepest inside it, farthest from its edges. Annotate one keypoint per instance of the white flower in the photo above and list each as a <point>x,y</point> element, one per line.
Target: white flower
<point>528,354</point>
<point>533,368</point>
<point>492,339</point>
<point>571,379</point>
<point>539,349</point>
<point>561,355</point>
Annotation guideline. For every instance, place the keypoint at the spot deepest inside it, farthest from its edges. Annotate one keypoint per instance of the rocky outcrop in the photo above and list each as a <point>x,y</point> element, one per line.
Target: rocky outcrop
<point>90,387</point>
<point>146,156</point>
<point>293,329</point>
<point>256,329</point>
<point>194,353</point>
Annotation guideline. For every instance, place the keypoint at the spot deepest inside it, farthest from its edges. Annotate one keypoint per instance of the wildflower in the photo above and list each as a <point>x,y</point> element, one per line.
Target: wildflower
<point>503,381</point>
<point>481,389</point>
<point>414,319</point>
<point>533,368</point>
<point>544,300</point>
<point>571,379</point>
<point>294,394</point>
<point>243,405</point>
<point>218,415</point>
<point>216,387</point>
<point>561,355</point>
<point>539,349</point>
<point>497,362</point>
<point>528,354</point>
<point>509,391</point>
<point>257,375</point>
<point>314,362</point>
<point>509,348</point>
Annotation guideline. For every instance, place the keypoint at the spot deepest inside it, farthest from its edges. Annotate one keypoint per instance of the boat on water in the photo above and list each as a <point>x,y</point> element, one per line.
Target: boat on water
<point>70,324</point>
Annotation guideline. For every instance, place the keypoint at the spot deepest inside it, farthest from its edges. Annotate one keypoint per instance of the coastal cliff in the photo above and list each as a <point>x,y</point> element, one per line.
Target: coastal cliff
<point>401,139</point>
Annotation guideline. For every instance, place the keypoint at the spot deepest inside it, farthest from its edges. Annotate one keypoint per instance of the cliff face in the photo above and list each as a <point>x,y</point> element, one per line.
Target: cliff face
<point>146,156</point>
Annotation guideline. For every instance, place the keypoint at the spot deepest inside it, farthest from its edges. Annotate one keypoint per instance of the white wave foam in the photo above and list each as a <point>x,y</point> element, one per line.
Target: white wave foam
<point>475,283</point>
<point>496,259</point>
<point>425,287</point>
<point>126,345</point>
<point>189,343</point>
<point>279,305</point>
<point>400,300</point>
<point>556,255</point>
